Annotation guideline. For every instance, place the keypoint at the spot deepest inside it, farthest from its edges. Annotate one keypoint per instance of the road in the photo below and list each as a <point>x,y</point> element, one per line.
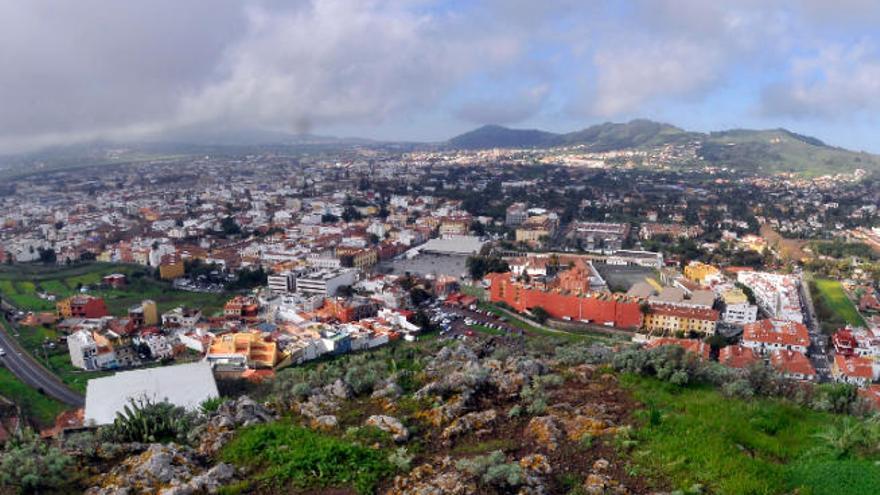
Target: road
<point>28,370</point>
<point>818,351</point>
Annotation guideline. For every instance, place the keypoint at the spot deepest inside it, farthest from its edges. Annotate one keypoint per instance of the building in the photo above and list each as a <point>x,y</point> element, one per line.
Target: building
<point>517,213</point>
<point>667,319</point>
<point>672,230</point>
<point>537,228</point>
<point>181,317</point>
<point>91,351</point>
<point>115,280</point>
<point>184,385</point>
<point>250,348</point>
<point>171,267</point>
<point>737,356</point>
<point>862,342</point>
<point>281,283</point>
<point>777,294</point>
<point>598,236</point>
<point>354,257</point>
<point>737,309</point>
<point>768,335</point>
<point>82,306</point>
<point>242,308</point>
<point>600,307</point>
<point>854,370</point>
<point>700,272</point>
<point>325,282</point>
<point>792,364</point>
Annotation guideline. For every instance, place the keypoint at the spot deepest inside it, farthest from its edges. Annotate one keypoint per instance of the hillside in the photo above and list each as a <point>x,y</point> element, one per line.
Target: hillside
<point>759,151</point>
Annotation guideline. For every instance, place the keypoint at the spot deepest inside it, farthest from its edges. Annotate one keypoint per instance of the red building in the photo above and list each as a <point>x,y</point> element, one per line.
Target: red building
<point>601,308</point>
<point>82,306</point>
<point>241,308</point>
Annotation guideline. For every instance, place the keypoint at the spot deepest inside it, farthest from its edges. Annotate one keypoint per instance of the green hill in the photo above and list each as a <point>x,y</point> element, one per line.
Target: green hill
<point>758,151</point>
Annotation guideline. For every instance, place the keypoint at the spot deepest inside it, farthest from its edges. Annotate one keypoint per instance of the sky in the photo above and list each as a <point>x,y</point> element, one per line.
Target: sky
<point>426,70</point>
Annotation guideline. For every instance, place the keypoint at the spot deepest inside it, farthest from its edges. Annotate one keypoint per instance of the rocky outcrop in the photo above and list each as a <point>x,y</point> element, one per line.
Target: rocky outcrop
<point>318,404</point>
<point>221,424</point>
<point>440,478</point>
<point>600,482</point>
<point>544,430</point>
<point>164,469</point>
<point>326,422</point>
<point>471,422</point>
<point>392,425</point>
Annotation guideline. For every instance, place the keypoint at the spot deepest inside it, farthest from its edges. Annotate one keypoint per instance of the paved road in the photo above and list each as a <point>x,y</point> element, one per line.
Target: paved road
<point>22,365</point>
<point>820,355</point>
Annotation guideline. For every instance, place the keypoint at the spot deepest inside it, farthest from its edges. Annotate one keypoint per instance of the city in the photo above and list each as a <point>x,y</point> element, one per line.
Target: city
<point>503,287</point>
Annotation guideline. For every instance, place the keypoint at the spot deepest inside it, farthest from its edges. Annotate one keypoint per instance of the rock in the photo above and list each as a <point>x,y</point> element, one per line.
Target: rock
<point>536,463</point>
<point>544,431</point>
<point>578,427</point>
<point>392,425</point>
<point>326,422</point>
<point>437,478</point>
<point>166,469</point>
<point>601,465</point>
<point>318,404</point>
<point>595,484</point>
<point>470,422</point>
<point>221,424</point>
<point>390,390</point>
<point>340,390</point>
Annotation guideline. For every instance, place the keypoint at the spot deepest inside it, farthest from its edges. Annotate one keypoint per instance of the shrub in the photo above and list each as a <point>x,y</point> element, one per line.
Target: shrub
<point>491,469</point>
<point>515,411</point>
<point>31,465</point>
<point>147,422</point>
<point>286,454</point>
<point>573,355</point>
<point>740,389</point>
<point>401,459</point>
<point>210,405</point>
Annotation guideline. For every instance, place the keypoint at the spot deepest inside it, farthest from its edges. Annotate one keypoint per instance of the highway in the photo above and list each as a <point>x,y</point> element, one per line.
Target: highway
<point>28,370</point>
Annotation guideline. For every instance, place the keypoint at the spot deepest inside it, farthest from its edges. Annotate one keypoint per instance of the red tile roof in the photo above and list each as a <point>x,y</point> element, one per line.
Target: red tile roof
<point>792,362</point>
<point>737,356</point>
<point>777,332</point>
<point>854,366</point>
<point>697,347</point>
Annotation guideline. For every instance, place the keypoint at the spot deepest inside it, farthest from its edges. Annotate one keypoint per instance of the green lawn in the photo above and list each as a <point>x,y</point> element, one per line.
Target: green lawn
<point>35,405</point>
<point>831,297</point>
<point>697,436</point>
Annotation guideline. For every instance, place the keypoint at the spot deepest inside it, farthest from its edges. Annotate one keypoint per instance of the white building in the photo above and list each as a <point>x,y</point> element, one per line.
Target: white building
<point>90,351</point>
<point>281,283</point>
<point>777,294</point>
<point>740,313</point>
<point>324,282</point>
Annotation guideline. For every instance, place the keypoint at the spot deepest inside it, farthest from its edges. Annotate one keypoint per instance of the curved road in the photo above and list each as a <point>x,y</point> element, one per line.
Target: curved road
<point>28,370</point>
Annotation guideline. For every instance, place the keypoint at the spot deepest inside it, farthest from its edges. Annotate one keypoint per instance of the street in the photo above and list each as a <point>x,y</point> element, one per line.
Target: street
<point>29,371</point>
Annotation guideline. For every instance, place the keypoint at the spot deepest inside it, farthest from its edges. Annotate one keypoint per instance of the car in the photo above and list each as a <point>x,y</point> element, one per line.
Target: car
<point>2,352</point>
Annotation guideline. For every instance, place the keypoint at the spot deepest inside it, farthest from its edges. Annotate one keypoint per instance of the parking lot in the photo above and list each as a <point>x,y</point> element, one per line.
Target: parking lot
<point>458,323</point>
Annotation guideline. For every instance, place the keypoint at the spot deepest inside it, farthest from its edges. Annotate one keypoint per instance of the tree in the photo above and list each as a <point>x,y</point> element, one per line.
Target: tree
<point>329,218</point>
<point>540,314</point>
<point>47,255</point>
<point>229,226</point>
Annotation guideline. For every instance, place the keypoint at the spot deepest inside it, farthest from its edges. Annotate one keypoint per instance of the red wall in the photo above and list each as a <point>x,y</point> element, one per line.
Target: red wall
<point>623,313</point>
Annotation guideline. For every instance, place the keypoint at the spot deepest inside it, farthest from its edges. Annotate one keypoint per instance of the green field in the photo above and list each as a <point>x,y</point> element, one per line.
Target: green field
<point>696,436</point>
<point>34,405</point>
<point>833,307</point>
<point>20,284</point>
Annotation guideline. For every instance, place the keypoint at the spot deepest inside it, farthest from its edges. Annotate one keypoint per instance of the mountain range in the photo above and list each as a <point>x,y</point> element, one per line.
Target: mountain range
<point>762,151</point>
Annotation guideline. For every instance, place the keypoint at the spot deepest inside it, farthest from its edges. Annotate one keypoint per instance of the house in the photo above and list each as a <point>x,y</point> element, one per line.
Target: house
<point>89,350</point>
<point>792,364</point>
<point>115,280</point>
<point>250,348</point>
<point>181,317</point>
<point>737,356</point>
<point>242,308</point>
<point>184,385</point>
<point>767,335</point>
<point>855,370</point>
<point>668,319</point>
<point>737,309</point>
<point>82,306</point>
<point>171,267</point>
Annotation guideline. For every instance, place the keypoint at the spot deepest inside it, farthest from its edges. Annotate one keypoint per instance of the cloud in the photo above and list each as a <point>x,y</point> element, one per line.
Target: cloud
<point>504,110</point>
<point>837,81</point>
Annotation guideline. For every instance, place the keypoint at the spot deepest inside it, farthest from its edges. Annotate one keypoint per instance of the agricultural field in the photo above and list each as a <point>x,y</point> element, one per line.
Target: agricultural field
<point>833,307</point>
<point>696,436</point>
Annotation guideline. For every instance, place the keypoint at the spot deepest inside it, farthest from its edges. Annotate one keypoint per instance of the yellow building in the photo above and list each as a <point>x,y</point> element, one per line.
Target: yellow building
<point>669,320</point>
<point>259,352</point>
<point>699,272</point>
<point>151,313</point>
<point>534,229</point>
<point>171,269</point>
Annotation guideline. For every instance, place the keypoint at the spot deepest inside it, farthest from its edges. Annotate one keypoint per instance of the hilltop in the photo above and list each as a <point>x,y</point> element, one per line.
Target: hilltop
<point>759,151</point>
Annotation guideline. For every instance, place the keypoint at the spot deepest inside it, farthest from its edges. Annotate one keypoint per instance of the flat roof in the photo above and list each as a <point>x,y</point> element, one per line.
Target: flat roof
<point>463,244</point>
<point>184,385</point>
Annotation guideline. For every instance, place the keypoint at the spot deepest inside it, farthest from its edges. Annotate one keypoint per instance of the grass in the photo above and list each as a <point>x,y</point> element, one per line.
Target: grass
<point>830,297</point>
<point>697,436</point>
<point>21,284</point>
<point>34,405</point>
<point>487,330</point>
<point>537,331</point>
<point>282,454</point>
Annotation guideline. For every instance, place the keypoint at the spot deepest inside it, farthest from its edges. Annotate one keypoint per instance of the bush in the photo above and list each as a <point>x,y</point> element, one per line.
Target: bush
<point>148,422</point>
<point>401,459</point>
<point>30,465</point>
<point>283,453</point>
<point>573,355</point>
<point>210,405</point>
<point>491,469</point>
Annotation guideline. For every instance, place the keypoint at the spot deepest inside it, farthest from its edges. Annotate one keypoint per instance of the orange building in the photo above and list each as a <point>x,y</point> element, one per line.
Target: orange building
<point>597,307</point>
<point>259,352</point>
